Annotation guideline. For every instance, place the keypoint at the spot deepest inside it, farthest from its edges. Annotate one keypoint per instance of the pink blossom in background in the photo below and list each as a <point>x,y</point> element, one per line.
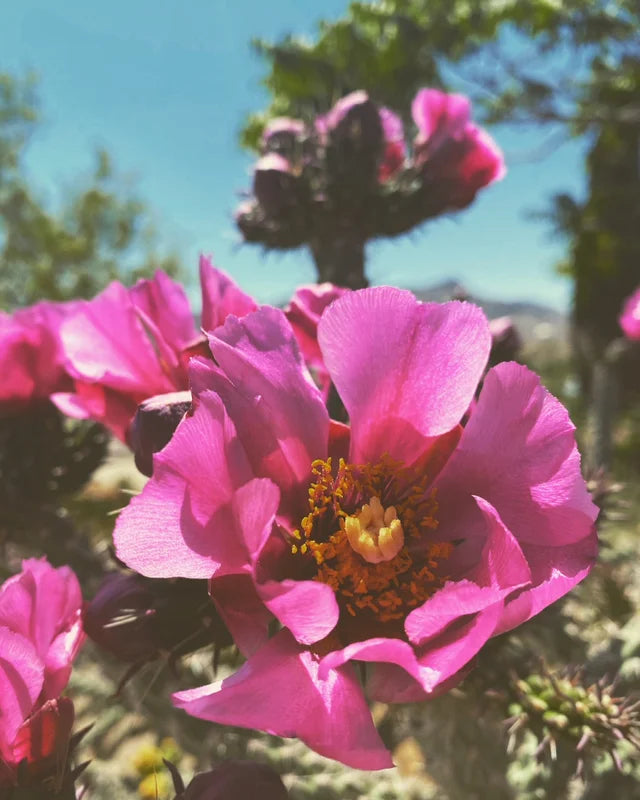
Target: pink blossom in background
<point>459,157</point>
<point>395,151</point>
<point>402,540</point>
<point>304,312</point>
<point>630,316</point>
<point>40,635</point>
<point>31,356</point>
<point>506,341</point>
<point>325,123</point>
<point>126,345</point>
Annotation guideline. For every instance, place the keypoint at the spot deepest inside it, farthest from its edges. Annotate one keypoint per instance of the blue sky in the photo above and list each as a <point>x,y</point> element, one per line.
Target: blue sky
<point>165,85</point>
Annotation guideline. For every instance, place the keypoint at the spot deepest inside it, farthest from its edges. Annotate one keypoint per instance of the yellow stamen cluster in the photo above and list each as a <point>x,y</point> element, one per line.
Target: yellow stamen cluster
<point>375,554</point>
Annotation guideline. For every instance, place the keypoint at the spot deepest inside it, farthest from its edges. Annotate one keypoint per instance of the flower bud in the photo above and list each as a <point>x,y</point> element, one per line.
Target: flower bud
<point>154,424</point>
<point>281,136</point>
<point>274,184</point>
<point>506,341</point>
<point>233,780</point>
<point>354,138</point>
<point>138,618</point>
<point>40,753</point>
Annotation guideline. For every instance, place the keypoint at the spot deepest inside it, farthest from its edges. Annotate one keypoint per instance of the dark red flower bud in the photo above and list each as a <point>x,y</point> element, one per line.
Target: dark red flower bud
<point>236,780</point>
<point>355,146</point>
<point>137,618</point>
<point>275,184</point>
<point>42,741</point>
<point>282,135</point>
<point>506,341</point>
<point>40,756</point>
<point>154,424</point>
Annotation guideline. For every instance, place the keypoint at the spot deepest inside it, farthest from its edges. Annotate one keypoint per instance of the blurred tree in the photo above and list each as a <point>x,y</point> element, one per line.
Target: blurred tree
<point>101,232</point>
<point>521,60</point>
<point>604,255</point>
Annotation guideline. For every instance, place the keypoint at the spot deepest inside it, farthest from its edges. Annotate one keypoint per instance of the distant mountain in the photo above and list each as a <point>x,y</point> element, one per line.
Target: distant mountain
<point>535,322</point>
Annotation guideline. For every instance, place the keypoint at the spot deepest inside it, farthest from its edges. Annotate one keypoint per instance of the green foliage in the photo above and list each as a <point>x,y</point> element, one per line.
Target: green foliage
<point>605,247</point>
<point>393,47</point>
<point>101,231</point>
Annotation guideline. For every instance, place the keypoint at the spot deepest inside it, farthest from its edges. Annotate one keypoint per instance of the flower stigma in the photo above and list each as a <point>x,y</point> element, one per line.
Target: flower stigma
<point>375,532</point>
<point>369,534</point>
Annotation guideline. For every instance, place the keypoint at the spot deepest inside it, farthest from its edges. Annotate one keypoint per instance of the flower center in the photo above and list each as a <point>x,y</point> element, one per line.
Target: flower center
<point>369,534</point>
<point>375,532</point>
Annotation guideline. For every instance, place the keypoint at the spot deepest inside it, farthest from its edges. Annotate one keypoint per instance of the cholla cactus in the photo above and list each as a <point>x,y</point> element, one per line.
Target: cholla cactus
<point>560,711</point>
<point>349,177</point>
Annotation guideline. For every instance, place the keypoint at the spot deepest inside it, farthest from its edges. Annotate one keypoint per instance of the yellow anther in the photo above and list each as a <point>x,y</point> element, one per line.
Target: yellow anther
<point>374,532</point>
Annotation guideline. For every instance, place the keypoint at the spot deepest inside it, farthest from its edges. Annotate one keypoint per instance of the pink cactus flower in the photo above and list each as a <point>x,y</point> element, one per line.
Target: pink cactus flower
<point>630,316</point>
<point>31,356</point>
<point>402,540</point>
<point>457,155</point>
<point>395,151</point>
<point>40,635</point>
<point>126,345</point>
<point>304,312</point>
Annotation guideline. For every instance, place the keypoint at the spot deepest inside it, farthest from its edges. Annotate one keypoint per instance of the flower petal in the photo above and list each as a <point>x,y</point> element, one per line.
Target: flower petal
<point>163,302</point>
<point>502,568</point>
<point>437,661</point>
<point>21,677</point>
<point>279,414</point>
<point>279,691</point>
<point>307,608</point>
<point>518,452</point>
<point>183,523</point>
<point>220,296</point>
<point>106,342</point>
<point>449,653</point>
<point>555,571</point>
<point>242,611</point>
<point>439,116</point>
<point>111,408</point>
<point>44,605</point>
<point>405,370</point>
<point>304,312</point>
<point>388,651</point>
<point>43,739</point>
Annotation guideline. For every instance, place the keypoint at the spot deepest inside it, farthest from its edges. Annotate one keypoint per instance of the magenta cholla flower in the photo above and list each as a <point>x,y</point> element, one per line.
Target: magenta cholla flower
<point>349,176</point>
<point>128,345</point>
<point>40,635</point>
<point>458,157</point>
<point>395,152</point>
<point>304,312</point>
<point>630,316</point>
<point>32,361</point>
<point>506,341</point>
<point>403,540</point>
